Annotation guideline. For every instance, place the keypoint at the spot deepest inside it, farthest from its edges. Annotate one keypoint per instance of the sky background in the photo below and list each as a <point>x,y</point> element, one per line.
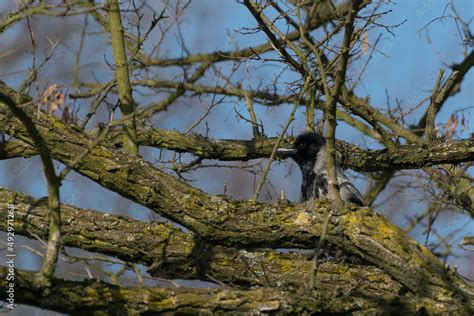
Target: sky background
<point>406,71</point>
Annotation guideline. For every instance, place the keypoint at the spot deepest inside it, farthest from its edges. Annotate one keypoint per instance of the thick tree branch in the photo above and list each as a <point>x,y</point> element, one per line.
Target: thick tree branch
<point>99,298</point>
<point>175,254</point>
<point>228,222</point>
<point>349,156</point>
<point>172,253</point>
<point>411,156</point>
<point>14,148</point>
<point>92,297</point>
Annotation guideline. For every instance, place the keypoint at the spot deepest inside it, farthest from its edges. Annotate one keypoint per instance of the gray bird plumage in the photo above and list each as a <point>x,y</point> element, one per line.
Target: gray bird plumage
<point>309,152</point>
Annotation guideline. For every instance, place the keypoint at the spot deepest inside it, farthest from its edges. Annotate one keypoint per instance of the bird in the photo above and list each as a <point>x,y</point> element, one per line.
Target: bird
<point>309,151</point>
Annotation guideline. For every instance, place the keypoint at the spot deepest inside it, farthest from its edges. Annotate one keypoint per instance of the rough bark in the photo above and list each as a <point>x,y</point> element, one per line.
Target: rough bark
<point>410,156</point>
<point>173,253</point>
<point>221,220</point>
<point>98,298</point>
<point>356,286</point>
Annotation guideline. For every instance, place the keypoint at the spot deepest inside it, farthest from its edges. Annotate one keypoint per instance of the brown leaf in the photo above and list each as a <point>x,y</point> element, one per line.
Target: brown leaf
<point>447,127</point>
<point>52,98</point>
<point>47,93</point>
<point>57,101</point>
<point>454,125</point>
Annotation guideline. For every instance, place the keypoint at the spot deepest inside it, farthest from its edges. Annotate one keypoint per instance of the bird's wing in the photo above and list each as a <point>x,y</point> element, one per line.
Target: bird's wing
<point>347,190</point>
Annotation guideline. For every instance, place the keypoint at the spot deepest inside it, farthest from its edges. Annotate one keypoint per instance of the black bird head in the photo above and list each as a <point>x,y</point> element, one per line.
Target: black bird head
<point>304,149</point>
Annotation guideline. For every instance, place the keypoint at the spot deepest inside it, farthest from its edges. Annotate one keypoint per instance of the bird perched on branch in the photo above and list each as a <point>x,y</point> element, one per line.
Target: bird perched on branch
<point>309,152</point>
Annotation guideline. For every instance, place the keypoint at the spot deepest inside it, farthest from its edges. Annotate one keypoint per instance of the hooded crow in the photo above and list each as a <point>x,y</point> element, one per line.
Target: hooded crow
<point>309,152</point>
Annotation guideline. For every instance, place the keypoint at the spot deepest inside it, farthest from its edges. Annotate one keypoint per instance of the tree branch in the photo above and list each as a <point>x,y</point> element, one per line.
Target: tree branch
<point>127,105</point>
<point>331,102</point>
<point>228,222</point>
<point>172,253</point>
<point>263,97</point>
<point>91,297</point>
<point>43,277</point>
<point>412,156</point>
<point>446,90</point>
<point>176,254</point>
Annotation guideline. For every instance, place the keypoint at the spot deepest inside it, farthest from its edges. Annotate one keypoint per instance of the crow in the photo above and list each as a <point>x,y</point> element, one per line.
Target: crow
<point>309,152</point>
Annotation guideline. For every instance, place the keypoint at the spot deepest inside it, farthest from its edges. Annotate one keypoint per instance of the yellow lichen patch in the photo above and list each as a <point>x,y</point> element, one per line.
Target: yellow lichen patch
<point>302,219</point>
<point>271,255</point>
<point>223,262</point>
<point>361,220</point>
<point>384,231</point>
<point>165,303</point>
<point>353,222</point>
<point>285,265</point>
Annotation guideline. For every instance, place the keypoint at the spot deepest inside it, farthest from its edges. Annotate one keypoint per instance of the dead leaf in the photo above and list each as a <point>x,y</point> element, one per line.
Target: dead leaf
<point>52,98</point>
<point>45,98</point>
<point>447,126</point>
<point>57,101</point>
<point>455,124</point>
<point>451,125</point>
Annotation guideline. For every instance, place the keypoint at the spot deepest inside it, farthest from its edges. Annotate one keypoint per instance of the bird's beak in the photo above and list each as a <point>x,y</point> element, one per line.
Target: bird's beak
<point>285,152</point>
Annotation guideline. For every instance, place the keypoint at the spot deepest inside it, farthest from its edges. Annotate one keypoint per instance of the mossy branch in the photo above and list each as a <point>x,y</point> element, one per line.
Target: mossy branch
<point>236,223</point>
<point>411,156</point>
<point>172,253</point>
